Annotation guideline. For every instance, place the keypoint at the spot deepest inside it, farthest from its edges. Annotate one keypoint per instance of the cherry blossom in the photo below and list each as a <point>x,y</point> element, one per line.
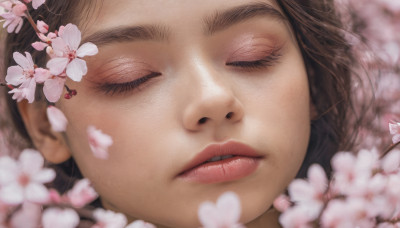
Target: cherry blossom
<point>46,41</point>
<point>28,216</point>
<point>140,224</point>
<point>99,142</point>
<point>23,74</point>
<point>394,129</point>
<point>225,213</point>
<point>81,194</point>
<point>109,219</point>
<point>15,11</point>
<point>23,180</point>
<point>60,218</point>
<point>68,54</point>
<point>57,119</point>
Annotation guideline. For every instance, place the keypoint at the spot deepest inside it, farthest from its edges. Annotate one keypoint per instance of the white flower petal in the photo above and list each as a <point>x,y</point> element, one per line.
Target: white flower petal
<point>57,65</point>
<point>25,62</point>
<point>37,3</point>
<point>31,161</point>
<point>72,36</point>
<point>36,193</point>
<point>76,69</point>
<point>57,119</point>
<point>53,89</point>
<point>59,47</point>
<point>63,218</point>
<point>87,49</point>
<point>12,194</point>
<point>229,205</point>
<point>44,176</point>
<point>15,75</point>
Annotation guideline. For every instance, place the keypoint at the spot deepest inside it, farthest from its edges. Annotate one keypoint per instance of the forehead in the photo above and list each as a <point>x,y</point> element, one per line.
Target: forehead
<point>187,14</point>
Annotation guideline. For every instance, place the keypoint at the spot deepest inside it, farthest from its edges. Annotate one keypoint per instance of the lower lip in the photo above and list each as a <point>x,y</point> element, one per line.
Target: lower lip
<point>222,171</point>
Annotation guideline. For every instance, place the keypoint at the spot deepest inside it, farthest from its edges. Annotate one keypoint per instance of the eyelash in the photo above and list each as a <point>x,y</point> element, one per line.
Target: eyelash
<point>118,88</point>
<point>268,61</point>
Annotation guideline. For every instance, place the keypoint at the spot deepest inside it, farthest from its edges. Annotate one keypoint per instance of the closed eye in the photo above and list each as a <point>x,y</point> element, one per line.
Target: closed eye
<point>268,61</point>
<point>120,88</point>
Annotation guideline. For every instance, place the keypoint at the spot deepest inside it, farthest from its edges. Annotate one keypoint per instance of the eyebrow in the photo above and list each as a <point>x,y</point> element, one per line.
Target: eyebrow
<point>128,33</point>
<point>212,24</point>
<point>222,20</point>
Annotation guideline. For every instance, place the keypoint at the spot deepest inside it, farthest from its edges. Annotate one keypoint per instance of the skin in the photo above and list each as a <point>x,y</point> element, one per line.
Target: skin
<point>155,127</point>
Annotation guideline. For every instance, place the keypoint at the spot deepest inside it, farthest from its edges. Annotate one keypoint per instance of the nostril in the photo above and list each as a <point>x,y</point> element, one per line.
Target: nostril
<point>203,120</point>
<point>229,115</point>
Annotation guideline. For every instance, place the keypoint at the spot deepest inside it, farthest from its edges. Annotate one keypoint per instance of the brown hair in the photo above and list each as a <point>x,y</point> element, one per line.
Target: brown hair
<point>319,34</point>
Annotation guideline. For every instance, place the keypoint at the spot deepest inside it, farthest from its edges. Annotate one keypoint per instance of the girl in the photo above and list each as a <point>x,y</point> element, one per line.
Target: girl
<point>199,97</point>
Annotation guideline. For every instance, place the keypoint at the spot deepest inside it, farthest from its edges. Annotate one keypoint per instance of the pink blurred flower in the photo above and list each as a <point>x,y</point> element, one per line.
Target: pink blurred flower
<point>99,142</point>
<point>310,193</point>
<point>140,224</point>
<point>394,129</point>
<point>282,203</point>
<point>60,218</point>
<point>108,219</point>
<point>27,217</point>
<point>23,180</point>
<point>225,213</point>
<point>15,10</point>
<point>68,54</point>
<point>57,119</point>
<point>81,194</point>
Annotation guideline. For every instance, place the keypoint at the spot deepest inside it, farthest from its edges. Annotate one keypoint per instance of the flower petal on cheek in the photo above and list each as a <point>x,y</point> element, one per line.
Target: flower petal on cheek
<point>87,49</point>
<point>53,89</point>
<point>76,69</point>
<point>72,36</point>
<point>208,214</point>
<point>99,142</point>
<point>57,119</point>
<point>57,65</point>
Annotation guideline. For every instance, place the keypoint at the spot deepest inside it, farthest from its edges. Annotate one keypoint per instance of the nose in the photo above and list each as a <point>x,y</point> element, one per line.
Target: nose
<point>213,103</point>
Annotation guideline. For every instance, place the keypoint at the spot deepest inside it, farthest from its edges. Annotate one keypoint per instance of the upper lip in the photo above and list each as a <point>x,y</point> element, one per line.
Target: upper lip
<point>221,149</point>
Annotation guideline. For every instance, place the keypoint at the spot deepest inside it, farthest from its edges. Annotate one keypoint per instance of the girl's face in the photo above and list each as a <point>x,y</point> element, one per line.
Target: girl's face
<point>175,77</point>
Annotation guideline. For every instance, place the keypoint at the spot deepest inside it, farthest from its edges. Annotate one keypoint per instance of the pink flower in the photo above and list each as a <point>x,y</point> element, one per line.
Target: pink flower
<point>42,26</point>
<point>297,217</point>
<point>35,3</point>
<point>310,193</point>
<point>394,129</point>
<point>109,219</point>
<point>99,142</point>
<point>23,74</point>
<point>282,203</point>
<point>60,218</point>
<point>46,40</point>
<point>28,216</point>
<point>15,10</point>
<point>140,224</point>
<point>68,54</point>
<point>225,213</point>
<point>81,194</point>
<point>23,180</point>
<point>57,119</point>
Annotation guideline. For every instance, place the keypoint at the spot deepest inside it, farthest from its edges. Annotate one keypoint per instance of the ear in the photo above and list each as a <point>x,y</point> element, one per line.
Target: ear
<point>51,144</point>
